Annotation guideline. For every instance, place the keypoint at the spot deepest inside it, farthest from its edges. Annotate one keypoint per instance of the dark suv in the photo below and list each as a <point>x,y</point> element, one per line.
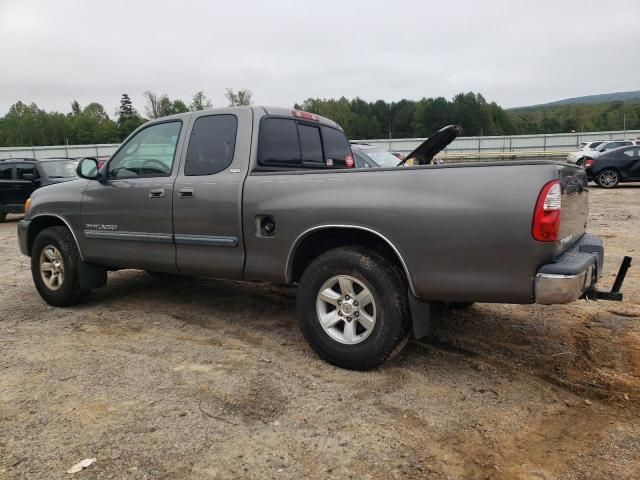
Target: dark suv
<point>19,177</point>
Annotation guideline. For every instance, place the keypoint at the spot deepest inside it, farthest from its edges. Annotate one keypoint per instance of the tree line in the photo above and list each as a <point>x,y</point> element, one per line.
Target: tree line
<point>29,125</point>
<point>410,118</point>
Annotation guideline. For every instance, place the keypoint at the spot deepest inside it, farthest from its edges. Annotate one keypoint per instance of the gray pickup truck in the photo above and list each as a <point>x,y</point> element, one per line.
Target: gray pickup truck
<point>270,194</point>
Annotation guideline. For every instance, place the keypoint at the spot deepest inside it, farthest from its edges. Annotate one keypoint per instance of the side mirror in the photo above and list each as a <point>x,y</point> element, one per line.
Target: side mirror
<point>88,168</point>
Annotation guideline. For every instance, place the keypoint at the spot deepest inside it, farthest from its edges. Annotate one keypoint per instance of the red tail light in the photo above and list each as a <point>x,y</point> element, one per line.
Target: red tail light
<point>305,115</point>
<point>546,217</point>
<point>588,162</point>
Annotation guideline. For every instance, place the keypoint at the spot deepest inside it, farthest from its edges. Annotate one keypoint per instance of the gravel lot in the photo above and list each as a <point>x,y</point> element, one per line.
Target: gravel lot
<point>188,378</point>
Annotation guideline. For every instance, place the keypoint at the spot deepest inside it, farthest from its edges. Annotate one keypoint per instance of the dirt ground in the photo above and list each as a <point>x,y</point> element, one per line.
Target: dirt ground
<point>189,378</point>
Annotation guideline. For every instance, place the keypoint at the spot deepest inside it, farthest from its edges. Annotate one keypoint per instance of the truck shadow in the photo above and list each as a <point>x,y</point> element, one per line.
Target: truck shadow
<point>586,349</point>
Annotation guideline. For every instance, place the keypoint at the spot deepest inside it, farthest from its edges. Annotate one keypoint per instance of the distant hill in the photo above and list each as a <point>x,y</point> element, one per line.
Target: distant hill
<point>588,99</point>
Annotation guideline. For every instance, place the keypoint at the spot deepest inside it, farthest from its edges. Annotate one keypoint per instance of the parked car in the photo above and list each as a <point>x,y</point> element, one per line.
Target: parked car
<point>583,148</point>
<point>269,194</point>
<point>20,177</point>
<point>605,147</point>
<point>367,156</point>
<point>615,166</point>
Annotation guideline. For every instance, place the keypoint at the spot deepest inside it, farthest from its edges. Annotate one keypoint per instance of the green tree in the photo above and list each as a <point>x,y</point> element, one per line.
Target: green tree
<point>239,98</point>
<point>200,102</point>
<point>128,118</point>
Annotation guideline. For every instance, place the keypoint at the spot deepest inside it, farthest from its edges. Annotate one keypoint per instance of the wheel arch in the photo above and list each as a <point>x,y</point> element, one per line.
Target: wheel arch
<point>40,222</point>
<point>313,242</point>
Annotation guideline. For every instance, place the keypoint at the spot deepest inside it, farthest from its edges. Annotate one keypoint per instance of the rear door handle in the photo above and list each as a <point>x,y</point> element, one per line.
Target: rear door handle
<point>185,193</point>
<point>156,193</point>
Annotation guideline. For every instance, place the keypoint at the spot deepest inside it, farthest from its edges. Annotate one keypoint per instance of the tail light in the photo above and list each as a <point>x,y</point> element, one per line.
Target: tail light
<point>546,217</point>
<point>588,162</point>
<point>305,115</point>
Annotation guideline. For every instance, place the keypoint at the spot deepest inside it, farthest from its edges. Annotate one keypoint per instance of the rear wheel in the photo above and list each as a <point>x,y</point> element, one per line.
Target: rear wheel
<point>608,178</point>
<point>352,308</point>
<point>54,267</point>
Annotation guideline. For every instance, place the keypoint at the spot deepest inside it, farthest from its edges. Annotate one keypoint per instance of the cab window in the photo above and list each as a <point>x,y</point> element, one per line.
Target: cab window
<point>211,146</point>
<point>150,153</point>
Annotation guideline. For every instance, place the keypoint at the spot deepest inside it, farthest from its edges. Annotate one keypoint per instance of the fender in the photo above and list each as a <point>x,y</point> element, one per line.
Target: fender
<point>303,235</point>
<point>66,222</point>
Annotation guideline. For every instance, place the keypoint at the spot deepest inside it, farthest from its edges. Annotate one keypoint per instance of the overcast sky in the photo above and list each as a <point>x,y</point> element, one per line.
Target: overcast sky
<point>513,52</point>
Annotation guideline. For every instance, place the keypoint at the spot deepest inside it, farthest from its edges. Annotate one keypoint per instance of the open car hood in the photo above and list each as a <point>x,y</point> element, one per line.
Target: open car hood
<point>423,155</point>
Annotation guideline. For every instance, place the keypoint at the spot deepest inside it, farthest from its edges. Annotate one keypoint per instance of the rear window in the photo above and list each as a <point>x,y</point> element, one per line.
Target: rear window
<point>211,146</point>
<point>336,147</point>
<point>310,144</point>
<point>291,143</point>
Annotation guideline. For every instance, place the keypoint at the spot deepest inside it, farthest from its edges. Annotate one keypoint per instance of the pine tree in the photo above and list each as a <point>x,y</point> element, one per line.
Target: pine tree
<point>126,111</point>
<point>75,108</point>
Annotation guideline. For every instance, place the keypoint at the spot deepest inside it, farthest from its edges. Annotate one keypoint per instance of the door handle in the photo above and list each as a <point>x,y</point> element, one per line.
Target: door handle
<point>185,193</point>
<point>156,193</point>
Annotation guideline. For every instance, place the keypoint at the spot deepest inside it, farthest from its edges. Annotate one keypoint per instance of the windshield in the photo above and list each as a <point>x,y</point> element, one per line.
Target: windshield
<point>59,168</point>
<point>382,158</point>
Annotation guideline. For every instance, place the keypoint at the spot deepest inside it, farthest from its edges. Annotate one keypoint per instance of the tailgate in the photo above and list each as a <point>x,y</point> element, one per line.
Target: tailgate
<point>575,204</point>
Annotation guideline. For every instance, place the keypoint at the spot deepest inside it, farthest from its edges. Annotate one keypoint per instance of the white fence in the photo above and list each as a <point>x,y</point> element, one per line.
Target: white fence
<point>70,151</point>
<point>558,143</point>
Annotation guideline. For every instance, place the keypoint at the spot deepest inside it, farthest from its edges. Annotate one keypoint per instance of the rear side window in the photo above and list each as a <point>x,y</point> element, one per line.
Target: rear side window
<point>279,143</point>
<point>289,143</point>
<point>211,146</point>
<point>6,171</point>
<point>632,152</point>
<point>26,168</point>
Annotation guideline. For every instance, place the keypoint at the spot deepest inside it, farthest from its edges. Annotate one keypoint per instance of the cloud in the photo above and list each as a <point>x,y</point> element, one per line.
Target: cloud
<point>513,52</point>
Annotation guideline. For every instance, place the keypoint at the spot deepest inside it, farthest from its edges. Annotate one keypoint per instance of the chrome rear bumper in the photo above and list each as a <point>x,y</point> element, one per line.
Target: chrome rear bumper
<point>574,273</point>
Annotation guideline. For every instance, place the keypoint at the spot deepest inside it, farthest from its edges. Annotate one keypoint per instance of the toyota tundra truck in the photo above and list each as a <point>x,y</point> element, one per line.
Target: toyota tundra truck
<point>273,195</point>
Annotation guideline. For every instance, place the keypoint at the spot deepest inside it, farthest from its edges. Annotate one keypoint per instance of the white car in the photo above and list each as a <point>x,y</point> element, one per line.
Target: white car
<point>604,146</point>
<point>583,148</point>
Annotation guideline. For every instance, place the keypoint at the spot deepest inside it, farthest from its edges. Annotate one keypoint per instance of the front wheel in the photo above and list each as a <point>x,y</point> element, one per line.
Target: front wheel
<point>352,308</point>
<point>54,267</point>
<point>608,178</point>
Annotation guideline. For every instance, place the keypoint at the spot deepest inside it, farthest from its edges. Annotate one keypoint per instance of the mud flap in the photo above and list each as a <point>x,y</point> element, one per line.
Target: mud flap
<point>420,317</point>
<point>91,276</point>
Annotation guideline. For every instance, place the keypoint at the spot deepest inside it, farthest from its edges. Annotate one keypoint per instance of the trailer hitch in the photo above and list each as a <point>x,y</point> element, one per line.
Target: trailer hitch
<point>615,294</point>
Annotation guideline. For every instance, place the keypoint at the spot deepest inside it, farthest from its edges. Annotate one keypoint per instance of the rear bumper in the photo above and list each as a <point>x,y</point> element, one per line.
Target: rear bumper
<point>23,229</point>
<point>573,273</point>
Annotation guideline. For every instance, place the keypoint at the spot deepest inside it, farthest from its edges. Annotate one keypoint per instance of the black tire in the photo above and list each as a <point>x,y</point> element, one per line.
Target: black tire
<point>388,290</point>
<point>580,162</point>
<point>3,216</point>
<point>69,292</point>
<point>608,178</point>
